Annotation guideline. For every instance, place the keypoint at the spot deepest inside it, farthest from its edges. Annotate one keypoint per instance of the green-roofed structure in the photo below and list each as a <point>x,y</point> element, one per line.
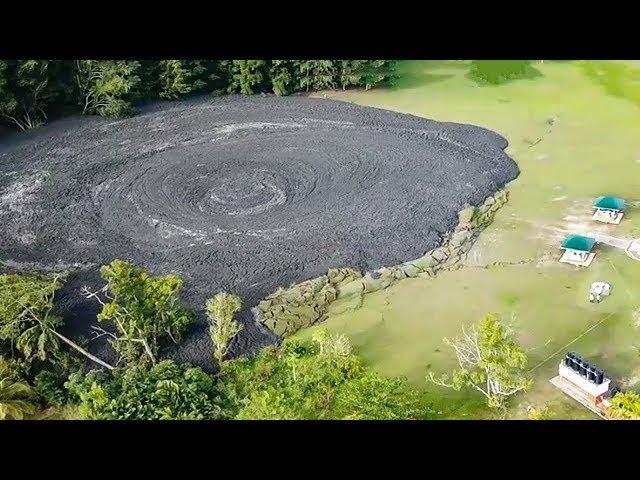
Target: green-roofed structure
<point>608,209</point>
<point>609,203</point>
<point>577,250</point>
<point>579,243</point>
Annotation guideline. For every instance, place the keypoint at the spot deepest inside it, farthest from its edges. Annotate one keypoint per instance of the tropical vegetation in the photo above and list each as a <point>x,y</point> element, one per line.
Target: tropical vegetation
<point>32,91</point>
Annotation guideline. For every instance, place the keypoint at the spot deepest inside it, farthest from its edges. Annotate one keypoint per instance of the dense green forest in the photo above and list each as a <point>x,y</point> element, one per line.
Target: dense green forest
<point>32,91</point>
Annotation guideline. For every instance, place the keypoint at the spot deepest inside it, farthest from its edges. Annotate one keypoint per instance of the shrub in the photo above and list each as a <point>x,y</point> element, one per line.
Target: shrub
<point>625,406</point>
<point>50,388</point>
<point>500,71</point>
<point>319,379</point>
<point>162,392</point>
<point>17,398</point>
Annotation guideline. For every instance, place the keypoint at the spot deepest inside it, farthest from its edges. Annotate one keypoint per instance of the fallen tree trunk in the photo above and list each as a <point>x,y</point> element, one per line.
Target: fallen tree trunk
<point>83,351</point>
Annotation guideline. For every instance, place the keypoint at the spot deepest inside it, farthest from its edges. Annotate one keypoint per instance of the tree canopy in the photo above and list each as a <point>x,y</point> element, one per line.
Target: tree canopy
<point>222,327</point>
<point>165,391</point>
<point>33,90</point>
<point>26,318</point>
<point>105,87</point>
<point>27,321</point>
<point>17,398</point>
<point>318,379</point>
<point>625,406</point>
<point>145,310</point>
<point>490,361</point>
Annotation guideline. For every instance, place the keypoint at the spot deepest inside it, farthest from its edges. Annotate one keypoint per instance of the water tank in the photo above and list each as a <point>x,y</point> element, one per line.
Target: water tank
<point>582,367</point>
<point>588,367</point>
<point>568,361</point>
<point>591,373</point>
<point>599,376</point>
<point>576,362</point>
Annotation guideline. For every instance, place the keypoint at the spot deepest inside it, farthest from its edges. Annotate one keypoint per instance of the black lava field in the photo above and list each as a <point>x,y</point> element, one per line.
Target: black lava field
<point>243,194</point>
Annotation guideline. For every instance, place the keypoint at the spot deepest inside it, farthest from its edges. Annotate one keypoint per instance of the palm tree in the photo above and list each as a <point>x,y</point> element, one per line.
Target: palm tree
<point>16,399</point>
<point>26,318</point>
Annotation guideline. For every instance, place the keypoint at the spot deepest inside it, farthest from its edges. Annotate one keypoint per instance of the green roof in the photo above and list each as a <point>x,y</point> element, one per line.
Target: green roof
<point>578,242</point>
<point>610,203</point>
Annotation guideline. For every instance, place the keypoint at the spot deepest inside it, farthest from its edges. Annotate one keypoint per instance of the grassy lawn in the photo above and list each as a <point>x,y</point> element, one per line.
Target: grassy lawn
<point>574,138</point>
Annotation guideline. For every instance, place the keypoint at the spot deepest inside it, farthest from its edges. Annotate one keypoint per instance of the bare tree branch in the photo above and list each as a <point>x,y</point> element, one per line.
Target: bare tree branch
<point>82,350</point>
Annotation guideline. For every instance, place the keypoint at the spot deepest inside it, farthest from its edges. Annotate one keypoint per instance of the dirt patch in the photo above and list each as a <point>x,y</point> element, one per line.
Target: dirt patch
<point>239,193</point>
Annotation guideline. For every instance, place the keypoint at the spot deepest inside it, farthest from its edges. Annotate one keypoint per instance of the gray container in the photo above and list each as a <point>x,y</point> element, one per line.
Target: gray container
<point>582,367</point>
<point>576,362</point>
<point>568,360</point>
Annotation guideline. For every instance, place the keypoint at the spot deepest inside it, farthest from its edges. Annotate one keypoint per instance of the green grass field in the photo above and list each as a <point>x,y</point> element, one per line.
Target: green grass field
<point>573,130</point>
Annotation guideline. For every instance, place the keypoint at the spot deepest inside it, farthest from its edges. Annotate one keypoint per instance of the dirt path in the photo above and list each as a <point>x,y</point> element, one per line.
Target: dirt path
<point>633,250</point>
<point>630,246</point>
